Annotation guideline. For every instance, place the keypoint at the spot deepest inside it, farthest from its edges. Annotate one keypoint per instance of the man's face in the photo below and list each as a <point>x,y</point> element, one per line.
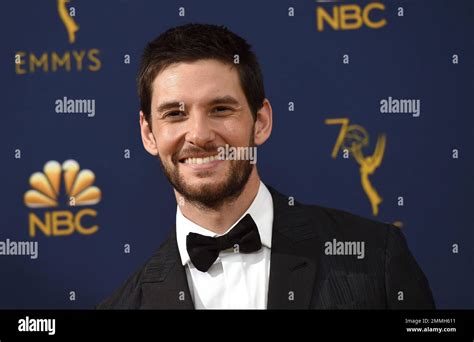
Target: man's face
<point>196,108</point>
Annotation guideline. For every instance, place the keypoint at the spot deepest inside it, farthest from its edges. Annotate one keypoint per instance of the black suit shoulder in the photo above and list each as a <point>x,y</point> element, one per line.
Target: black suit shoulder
<point>341,222</point>
<point>334,223</point>
<point>387,276</point>
<point>129,294</point>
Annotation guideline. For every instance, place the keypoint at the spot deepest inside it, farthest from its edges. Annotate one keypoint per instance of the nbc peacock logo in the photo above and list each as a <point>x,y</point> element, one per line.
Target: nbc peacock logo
<point>48,192</point>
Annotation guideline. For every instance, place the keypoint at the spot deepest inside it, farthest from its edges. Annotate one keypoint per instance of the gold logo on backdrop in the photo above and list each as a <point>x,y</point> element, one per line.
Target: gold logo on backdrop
<point>354,138</point>
<point>68,21</point>
<point>30,62</point>
<point>78,185</point>
<point>351,16</point>
<point>46,191</point>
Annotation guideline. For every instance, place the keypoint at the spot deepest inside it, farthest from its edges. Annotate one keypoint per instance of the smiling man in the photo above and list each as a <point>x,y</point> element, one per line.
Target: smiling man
<point>238,243</point>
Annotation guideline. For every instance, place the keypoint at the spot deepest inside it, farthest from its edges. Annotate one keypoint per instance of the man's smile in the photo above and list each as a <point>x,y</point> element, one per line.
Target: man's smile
<point>197,160</point>
<point>201,163</point>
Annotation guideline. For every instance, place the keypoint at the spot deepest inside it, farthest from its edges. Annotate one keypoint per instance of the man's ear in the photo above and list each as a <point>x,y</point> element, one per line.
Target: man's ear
<point>148,138</point>
<point>263,123</point>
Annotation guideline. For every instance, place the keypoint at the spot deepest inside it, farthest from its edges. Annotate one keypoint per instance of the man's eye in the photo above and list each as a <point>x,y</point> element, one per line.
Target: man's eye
<point>173,114</point>
<point>221,109</point>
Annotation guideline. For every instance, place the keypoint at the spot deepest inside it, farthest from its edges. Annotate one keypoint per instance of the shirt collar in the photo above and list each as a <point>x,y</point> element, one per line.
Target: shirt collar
<point>261,211</point>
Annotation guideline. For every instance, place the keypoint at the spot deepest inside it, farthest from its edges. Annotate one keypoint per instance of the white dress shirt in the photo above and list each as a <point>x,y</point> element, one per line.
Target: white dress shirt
<point>235,280</point>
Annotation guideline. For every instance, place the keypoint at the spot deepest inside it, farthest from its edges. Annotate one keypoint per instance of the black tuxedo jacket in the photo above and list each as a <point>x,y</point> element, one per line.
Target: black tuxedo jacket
<point>302,275</point>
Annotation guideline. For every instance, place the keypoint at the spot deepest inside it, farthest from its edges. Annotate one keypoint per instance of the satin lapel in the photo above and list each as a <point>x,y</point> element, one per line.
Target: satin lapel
<point>164,284</point>
<point>294,256</point>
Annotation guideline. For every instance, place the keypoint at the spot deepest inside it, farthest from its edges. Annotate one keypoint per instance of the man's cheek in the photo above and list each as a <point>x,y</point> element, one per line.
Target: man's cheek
<point>167,155</point>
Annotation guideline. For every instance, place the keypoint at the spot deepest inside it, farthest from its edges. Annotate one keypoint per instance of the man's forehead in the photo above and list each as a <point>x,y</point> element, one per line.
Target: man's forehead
<point>202,80</point>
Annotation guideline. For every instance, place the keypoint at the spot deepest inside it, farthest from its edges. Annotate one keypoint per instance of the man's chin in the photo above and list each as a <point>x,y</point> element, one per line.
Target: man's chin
<point>203,186</point>
<point>206,195</point>
<point>210,188</point>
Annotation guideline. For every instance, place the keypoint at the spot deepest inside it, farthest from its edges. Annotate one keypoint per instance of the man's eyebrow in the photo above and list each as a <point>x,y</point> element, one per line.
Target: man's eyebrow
<point>168,105</point>
<point>224,100</point>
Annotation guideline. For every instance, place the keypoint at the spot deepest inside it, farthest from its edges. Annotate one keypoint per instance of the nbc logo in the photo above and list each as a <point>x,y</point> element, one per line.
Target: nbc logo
<point>46,193</point>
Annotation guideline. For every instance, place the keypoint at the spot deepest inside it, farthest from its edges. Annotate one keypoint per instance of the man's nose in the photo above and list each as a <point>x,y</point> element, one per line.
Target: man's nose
<point>200,131</point>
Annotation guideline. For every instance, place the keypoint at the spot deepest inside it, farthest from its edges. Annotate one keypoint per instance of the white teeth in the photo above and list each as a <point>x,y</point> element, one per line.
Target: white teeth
<point>201,160</point>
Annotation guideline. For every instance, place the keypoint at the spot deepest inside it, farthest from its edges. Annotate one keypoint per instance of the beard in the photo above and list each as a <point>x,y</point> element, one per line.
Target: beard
<point>213,195</point>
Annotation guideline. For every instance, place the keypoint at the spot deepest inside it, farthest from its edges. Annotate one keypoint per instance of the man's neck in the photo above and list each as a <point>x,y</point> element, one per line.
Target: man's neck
<point>221,219</point>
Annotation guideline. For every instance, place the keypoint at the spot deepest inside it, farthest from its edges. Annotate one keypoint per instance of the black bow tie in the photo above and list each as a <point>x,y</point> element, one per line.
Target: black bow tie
<point>204,250</point>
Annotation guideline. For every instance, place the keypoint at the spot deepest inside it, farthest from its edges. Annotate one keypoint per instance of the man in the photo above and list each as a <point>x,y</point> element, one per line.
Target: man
<point>238,243</point>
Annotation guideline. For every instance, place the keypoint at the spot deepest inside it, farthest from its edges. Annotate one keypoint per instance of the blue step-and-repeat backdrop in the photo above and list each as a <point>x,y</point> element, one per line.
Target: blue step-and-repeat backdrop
<point>372,109</point>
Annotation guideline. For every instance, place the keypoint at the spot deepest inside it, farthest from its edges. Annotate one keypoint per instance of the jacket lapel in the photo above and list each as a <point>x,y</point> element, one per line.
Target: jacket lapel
<point>294,256</point>
<point>164,284</point>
